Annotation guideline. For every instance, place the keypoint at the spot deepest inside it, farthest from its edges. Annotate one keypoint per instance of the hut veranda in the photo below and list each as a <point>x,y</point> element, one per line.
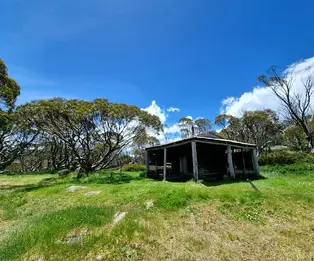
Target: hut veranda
<point>203,157</point>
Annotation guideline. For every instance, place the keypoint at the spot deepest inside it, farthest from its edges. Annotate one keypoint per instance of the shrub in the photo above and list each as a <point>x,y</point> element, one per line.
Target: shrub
<point>299,168</point>
<point>134,167</point>
<point>285,157</point>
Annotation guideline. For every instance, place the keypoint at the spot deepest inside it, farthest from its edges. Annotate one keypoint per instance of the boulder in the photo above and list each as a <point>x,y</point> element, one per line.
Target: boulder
<point>119,216</point>
<point>93,192</point>
<point>79,172</point>
<point>75,188</point>
<point>7,172</point>
<point>64,172</point>
<point>149,204</point>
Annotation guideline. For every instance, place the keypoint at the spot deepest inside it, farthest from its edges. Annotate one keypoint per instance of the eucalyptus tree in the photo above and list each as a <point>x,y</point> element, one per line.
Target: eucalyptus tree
<point>47,153</point>
<point>296,103</point>
<point>9,90</point>
<point>15,134</point>
<point>190,128</point>
<point>260,127</point>
<point>95,131</point>
<point>139,145</point>
<point>295,138</point>
<point>231,127</point>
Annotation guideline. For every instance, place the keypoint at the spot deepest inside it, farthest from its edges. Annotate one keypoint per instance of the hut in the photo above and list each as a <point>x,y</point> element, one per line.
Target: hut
<point>203,157</point>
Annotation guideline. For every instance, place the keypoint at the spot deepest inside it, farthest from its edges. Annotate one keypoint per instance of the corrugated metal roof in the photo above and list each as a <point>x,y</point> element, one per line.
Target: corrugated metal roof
<point>215,139</point>
<point>209,134</point>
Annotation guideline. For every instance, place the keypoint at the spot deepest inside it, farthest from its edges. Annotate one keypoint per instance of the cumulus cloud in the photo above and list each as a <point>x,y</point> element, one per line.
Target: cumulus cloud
<point>257,99</point>
<point>175,128</point>
<point>173,109</point>
<point>171,132</point>
<point>262,97</point>
<point>154,109</point>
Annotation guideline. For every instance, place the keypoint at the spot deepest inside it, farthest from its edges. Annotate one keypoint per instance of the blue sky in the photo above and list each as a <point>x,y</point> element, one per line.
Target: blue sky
<point>190,55</point>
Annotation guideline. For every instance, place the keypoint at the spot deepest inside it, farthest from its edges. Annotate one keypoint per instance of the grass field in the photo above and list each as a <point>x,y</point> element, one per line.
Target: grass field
<point>41,220</point>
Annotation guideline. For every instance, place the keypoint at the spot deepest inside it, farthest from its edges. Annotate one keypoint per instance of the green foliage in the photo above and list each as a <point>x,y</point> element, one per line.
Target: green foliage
<point>96,131</point>
<point>295,138</point>
<point>110,177</point>
<point>9,89</point>
<point>259,127</point>
<point>134,167</point>
<point>190,127</point>
<point>284,157</point>
<point>15,134</point>
<point>139,145</point>
<point>297,105</point>
<point>298,168</point>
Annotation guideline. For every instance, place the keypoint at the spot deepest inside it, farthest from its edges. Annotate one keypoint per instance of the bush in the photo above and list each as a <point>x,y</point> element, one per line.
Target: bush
<point>134,167</point>
<point>285,157</point>
<point>295,168</point>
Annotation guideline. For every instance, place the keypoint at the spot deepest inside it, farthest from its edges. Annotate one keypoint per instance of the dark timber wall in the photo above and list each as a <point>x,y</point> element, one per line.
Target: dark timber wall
<point>212,160</point>
<point>174,154</point>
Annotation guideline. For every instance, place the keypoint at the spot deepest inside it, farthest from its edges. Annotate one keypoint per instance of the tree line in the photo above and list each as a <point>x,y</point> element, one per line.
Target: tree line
<point>88,136</point>
<point>293,129</point>
<point>74,134</point>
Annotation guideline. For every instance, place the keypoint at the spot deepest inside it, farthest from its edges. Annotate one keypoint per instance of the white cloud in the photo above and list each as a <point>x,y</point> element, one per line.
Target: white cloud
<point>171,132</point>
<point>262,97</point>
<point>259,98</point>
<point>175,128</point>
<point>173,109</point>
<point>154,109</point>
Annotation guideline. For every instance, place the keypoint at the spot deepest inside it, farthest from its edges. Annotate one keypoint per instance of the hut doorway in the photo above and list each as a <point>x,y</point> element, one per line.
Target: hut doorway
<point>183,164</point>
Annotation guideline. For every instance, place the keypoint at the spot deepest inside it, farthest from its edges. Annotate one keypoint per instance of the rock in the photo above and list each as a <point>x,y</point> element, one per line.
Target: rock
<point>74,236</point>
<point>7,172</point>
<point>74,239</point>
<point>64,172</point>
<point>79,171</point>
<point>93,192</point>
<point>149,204</point>
<point>71,240</point>
<point>75,188</point>
<point>99,257</point>
<point>119,216</point>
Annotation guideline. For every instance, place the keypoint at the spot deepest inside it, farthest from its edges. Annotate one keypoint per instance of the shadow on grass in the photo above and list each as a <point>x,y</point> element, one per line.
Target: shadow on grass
<point>111,178</point>
<point>96,178</point>
<point>48,182</point>
<point>212,183</point>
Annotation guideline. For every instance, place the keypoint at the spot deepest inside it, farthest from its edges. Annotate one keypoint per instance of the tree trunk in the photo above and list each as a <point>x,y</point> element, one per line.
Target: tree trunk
<point>309,137</point>
<point>311,144</point>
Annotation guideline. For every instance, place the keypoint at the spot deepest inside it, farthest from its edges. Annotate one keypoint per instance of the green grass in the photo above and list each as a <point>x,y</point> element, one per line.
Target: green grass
<point>40,219</point>
<point>43,230</point>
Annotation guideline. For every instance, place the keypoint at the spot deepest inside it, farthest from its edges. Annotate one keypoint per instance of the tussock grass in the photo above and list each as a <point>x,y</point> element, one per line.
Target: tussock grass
<point>44,230</point>
<point>40,219</point>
